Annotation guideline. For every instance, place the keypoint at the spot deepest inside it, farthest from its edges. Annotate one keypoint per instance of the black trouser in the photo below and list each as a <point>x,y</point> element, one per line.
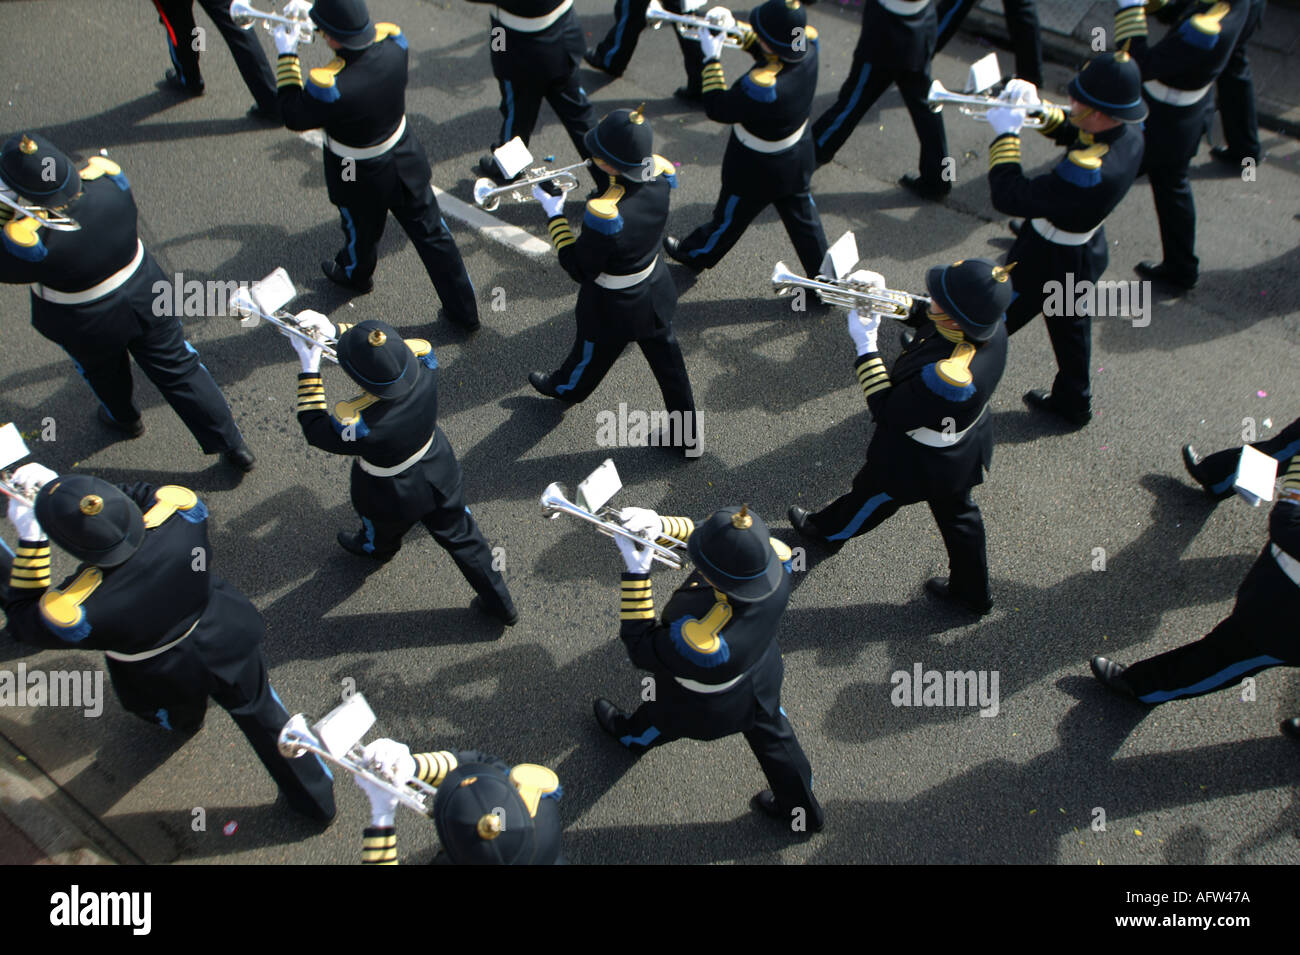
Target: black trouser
<point>588,362</point>
<point>704,716</point>
<point>733,213</point>
<point>1236,95</point>
<point>1022,24</point>
<point>1173,134</point>
<point>616,49</point>
<point>99,337</point>
<point>177,17</point>
<point>172,690</point>
<point>868,505</point>
<point>1220,468</point>
<point>1258,634</point>
<point>521,100</point>
<point>859,93</point>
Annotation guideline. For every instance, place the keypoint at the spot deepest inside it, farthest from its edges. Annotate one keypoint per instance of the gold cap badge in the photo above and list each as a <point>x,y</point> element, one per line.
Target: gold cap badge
<point>741,519</point>
<point>27,145</point>
<point>1003,272</point>
<point>377,338</point>
<point>637,116</point>
<point>490,826</point>
<point>91,505</point>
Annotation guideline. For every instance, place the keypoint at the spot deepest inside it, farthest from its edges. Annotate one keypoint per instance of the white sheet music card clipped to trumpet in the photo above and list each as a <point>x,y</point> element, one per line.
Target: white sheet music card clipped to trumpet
<point>985,73</point>
<point>344,726</point>
<point>841,258</point>
<point>512,158</point>
<point>599,486</point>
<point>267,296</point>
<point>1256,475</point>
<point>12,446</point>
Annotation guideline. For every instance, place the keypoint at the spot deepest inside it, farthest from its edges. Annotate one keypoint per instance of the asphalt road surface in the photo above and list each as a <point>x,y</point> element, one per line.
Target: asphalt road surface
<point>223,198</point>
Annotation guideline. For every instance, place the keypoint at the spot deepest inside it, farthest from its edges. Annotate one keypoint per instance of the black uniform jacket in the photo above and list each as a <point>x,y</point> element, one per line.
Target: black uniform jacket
<point>914,394</point>
<point>385,433</point>
<point>771,102</point>
<point>621,235</point>
<point>1186,58</point>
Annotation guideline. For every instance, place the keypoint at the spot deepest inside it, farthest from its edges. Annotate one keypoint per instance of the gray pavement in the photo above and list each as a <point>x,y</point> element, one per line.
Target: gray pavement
<point>1209,780</point>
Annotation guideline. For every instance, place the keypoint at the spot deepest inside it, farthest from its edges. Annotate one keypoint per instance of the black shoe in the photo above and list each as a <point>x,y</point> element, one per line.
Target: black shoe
<point>938,587</point>
<point>1042,400</point>
<point>1015,225</point>
<point>263,115</point>
<point>509,616</point>
<point>334,272</point>
<point>467,327</point>
<point>355,544</point>
<point>132,429</point>
<point>1111,675</point>
<point>590,59</point>
<point>765,802</point>
<point>542,384</point>
<point>801,521</point>
<point>1192,462</point>
<point>688,95</point>
<point>672,247</point>
<point>1291,727</point>
<point>1159,272</point>
<point>606,713</point>
<point>240,458</point>
<point>1226,156</point>
<point>935,192</point>
<point>175,82</point>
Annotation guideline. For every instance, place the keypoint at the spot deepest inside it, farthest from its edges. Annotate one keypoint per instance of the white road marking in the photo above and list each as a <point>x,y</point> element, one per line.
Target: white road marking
<point>493,228</point>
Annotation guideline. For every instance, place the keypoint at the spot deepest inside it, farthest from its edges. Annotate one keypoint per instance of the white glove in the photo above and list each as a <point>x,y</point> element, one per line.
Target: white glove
<point>308,355</point>
<point>298,9</point>
<point>636,558</point>
<point>316,324</point>
<point>399,767</point>
<point>1021,93</point>
<point>286,40</point>
<point>711,43</point>
<point>863,330</point>
<point>641,520</point>
<point>551,205</point>
<point>34,476</point>
<point>1005,120</point>
<point>24,521</point>
<point>1125,4</point>
<point>867,278</point>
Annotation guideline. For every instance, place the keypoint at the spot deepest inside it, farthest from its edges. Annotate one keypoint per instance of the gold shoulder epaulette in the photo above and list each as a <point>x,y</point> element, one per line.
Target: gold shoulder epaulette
<point>765,75</point>
<point>168,499</point>
<point>955,369</point>
<point>606,206</point>
<point>63,607</point>
<point>1090,157</point>
<point>533,782</point>
<point>384,30</point>
<point>783,553</point>
<point>664,167</point>
<point>347,412</point>
<point>323,76</point>
<point>1209,21</point>
<point>97,166</point>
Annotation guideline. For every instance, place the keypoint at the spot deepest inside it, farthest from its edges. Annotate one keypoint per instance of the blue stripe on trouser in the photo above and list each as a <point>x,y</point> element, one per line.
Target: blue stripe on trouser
<point>318,759</point>
<point>625,8</point>
<point>508,133</point>
<point>8,549</point>
<point>853,101</point>
<point>645,739</point>
<point>1222,678</point>
<point>351,247</point>
<point>369,528</point>
<point>727,212</point>
<point>860,518</point>
<point>943,24</point>
<point>1286,454</point>
<point>587,349</point>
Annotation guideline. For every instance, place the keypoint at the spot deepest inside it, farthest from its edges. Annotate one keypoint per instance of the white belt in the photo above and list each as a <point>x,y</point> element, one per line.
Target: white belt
<point>605,280</point>
<point>137,657</point>
<point>939,439</point>
<point>110,284</point>
<point>1174,97</point>
<point>396,469</point>
<point>709,687</point>
<point>368,152</point>
<point>530,24</point>
<point>904,8</point>
<point>768,145</point>
<point>1290,566</point>
<point>1052,234</point>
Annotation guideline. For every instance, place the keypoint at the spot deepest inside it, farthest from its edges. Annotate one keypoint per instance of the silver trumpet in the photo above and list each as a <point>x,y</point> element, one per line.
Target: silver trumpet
<point>245,16</point>
<point>555,502</point>
<point>978,107</point>
<point>22,493</point>
<point>48,218</point>
<point>336,737</point>
<point>690,27</point>
<point>265,300</point>
<point>846,293</point>
<point>488,195</point>
<point>12,450</point>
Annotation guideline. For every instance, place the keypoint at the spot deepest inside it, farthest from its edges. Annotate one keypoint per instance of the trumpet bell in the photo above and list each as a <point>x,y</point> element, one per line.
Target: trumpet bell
<point>555,501</point>
<point>483,197</point>
<point>243,15</point>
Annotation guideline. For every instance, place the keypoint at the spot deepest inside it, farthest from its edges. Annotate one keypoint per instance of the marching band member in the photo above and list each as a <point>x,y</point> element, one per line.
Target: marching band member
<point>1063,233</point>
<point>487,811</point>
<point>173,632</point>
<point>895,47</point>
<point>373,163</point>
<point>769,157</point>
<point>627,294</point>
<point>403,467</point>
<point>614,52</point>
<point>1217,472</point>
<point>1177,74</point>
<point>536,47</point>
<point>94,291</point>
<point>934,436</point>
<point>1257,635</point>
<point>1022,24</point>
<point>713,653</point>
